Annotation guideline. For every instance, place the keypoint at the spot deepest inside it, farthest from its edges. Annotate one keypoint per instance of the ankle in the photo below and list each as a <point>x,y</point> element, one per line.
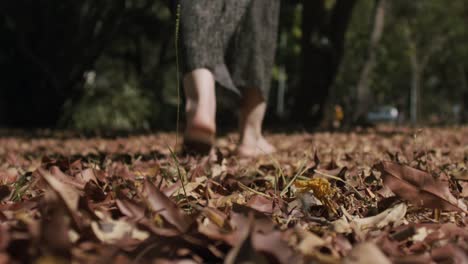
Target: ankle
<point>201,123</point>
<point>200,100</point>
<point>249,135</point>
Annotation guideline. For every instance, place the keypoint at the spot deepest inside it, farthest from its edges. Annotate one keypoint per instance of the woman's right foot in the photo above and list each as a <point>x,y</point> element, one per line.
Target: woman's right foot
<point>252,143</point>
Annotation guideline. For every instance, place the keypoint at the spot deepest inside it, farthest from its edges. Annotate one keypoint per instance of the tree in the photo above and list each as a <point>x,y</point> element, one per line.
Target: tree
<point>362,89</point>
<point>428,28</point>
<point>324,25</point>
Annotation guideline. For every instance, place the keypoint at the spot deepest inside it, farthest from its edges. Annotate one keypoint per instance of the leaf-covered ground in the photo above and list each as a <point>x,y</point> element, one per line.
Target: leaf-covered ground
<point>378,196</point>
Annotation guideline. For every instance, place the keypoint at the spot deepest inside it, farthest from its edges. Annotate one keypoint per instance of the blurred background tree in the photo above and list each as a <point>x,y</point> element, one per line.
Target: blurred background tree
<point>110,64</point>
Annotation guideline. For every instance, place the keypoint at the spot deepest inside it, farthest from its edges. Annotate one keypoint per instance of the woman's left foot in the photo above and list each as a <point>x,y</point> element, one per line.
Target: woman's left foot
<point>252,143</point>
<point>261,147</point>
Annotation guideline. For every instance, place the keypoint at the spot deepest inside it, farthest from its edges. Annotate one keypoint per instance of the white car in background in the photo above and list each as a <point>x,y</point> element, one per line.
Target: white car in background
<point>383,114</point>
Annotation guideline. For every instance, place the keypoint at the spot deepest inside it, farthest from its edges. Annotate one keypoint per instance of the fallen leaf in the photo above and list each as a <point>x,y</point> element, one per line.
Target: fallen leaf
<point>5,237</point>
<point>68,193</point>
<point>309,243</point>
<point>461,174</point>
<point>272,245</point>
<point>59,175</point>
<point>88,175</point>
<point>54,227</point>
<point>244,252</point>
<point>4,192</point>
<point>262,204</point>
<point>419,187</point>
<point>130,209</point>
<point>161,204</point>
<point>107,176</point>
<point>392,215</point>
<point>464,192</point>
<point>449,254</point>
<point>93,192</point>
<point>216,217</point>
<point>421,234</point>
<point>113,231</point>
<point>423,258</point>
<point>342,226</point>
<point>321,187</point>
<point>366,253</point>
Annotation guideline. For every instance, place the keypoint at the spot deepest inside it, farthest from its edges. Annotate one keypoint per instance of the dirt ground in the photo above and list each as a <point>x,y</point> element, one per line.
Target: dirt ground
<point>387,195</point>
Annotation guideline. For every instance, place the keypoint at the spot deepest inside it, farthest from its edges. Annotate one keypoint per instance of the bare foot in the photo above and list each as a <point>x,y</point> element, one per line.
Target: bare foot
<point>200,108</point>
<point>263,147</point>
<point>252,143</point>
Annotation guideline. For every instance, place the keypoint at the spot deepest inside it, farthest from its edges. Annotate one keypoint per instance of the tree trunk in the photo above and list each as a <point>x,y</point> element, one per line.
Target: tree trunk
<point>363,89</point>
<point>323,39</point>
<point>419,59</point>
<point>464,110</point>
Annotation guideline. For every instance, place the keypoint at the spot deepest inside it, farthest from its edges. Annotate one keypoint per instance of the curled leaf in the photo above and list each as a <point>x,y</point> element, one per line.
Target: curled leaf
<point>392,215</point>
<point>161,204</point>
<point>366,253</point>
<point>67,192</point>
<point>419,187</point>
<point>112,231</point>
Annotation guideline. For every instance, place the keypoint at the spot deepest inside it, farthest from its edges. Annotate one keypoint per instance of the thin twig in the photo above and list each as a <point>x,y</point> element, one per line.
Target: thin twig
<point>177,29</point>
<point>179,173</point>
<point>299,173</point>
<point>246,188</point>
<point>278,168</point>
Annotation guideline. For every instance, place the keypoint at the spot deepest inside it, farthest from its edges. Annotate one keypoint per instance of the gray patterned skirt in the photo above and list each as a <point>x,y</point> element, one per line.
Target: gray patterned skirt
<point>235,39</point>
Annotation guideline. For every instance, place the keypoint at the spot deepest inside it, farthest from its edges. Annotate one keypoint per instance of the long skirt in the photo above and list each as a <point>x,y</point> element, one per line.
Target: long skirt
<point>234,39</point>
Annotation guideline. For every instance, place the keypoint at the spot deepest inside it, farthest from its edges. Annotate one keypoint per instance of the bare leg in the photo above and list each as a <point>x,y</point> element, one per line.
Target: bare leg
<point>252,112</point>
<point>199,88</point>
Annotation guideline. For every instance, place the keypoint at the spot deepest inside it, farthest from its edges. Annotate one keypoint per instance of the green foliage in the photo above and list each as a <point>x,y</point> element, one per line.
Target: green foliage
<point>111,104</point>
<point>289,48</point>
<point>135,60</point>
<point>428,21</point>
<point>135,86</point>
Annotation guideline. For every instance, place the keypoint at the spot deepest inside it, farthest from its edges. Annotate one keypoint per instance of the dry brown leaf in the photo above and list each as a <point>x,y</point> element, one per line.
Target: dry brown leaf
<point>309,243</point>
<point>4,192</point>
<point>449,254</point>
<point>366,253</point>
<point>393,215</point>
<point>262,204</point>
<point>244,252</point>
<point>55,226</point>
<point>419,187</point>
<point>108,176</point>
<point>130,209</point>
<point>461,174</point>
<point>67,192</point>
<point>161,204</point>
<point>112,231</point>
<point>59,175</point>
<point>464,192</point>
<point>88,175</point>
<point>215,216</point>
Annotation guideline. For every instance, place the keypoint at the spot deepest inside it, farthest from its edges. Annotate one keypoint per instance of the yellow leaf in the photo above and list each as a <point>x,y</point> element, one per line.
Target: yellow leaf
<point>321,187</point>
